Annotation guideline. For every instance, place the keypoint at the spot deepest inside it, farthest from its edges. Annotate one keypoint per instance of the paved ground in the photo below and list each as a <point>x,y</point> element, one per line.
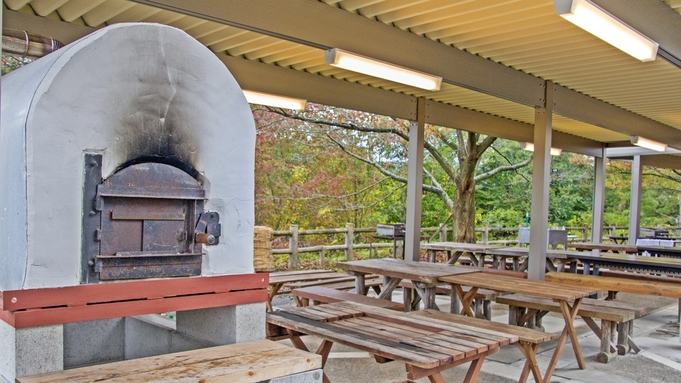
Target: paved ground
<point>657,335</point>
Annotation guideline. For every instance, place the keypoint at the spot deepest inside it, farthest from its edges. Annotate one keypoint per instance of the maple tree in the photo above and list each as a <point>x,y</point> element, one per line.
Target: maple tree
<point>450,169</point>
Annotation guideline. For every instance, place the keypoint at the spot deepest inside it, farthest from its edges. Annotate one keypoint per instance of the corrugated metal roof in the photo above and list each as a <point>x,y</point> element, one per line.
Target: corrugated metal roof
<point>522,34</point>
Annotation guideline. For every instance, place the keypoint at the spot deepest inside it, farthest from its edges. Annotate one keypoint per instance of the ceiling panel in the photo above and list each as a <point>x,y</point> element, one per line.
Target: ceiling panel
<point>522,34</point>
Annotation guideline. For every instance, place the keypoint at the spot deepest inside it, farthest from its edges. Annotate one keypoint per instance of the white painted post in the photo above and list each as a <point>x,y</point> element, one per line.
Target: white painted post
<point>635,200</point>
<point>541,173</point>
<point>415,183</point>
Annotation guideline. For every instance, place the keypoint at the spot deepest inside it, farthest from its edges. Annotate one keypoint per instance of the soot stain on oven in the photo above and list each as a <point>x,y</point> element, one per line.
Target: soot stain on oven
<point>160,144</point>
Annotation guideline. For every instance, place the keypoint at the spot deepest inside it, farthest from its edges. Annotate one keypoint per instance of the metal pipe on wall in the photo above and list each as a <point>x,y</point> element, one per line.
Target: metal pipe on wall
<point>25,44</point>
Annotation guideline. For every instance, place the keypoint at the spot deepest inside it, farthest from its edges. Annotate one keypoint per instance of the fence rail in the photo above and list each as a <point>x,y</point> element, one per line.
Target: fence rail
<point>487,235</point>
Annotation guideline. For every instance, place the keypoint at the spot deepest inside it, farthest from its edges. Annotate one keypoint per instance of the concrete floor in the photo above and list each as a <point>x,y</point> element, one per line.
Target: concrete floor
<point>657,334</point>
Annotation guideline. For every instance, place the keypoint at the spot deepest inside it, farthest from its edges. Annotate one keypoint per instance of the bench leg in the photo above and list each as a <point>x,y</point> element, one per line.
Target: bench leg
<point>623,337</point>
<point>514,314</point>
<point>478,308</point>
<point>407,295</point>
<point>631,339</point>
<point>606,354</point>
<point>455,305</point>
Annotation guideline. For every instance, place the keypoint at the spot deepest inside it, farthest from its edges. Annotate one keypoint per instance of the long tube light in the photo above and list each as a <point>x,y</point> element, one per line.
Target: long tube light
<point>607,27</point>
<point>381,69</point>
<point>530,147</point>
<point>274,100</point>
<point>648,144</point>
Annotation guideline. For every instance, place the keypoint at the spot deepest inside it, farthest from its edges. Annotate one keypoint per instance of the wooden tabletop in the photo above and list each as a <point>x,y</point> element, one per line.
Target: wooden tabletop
<point>281,278</point>
<point>661,250</point>
<point>632,261</point>
<point>390,334</point>
<point>456,246</point>
<point>617,248</point>
<point>664,287</point>
<point>396,268</point>
<point>525,251</point>
<point>504,283</point>
<point>255,361</point>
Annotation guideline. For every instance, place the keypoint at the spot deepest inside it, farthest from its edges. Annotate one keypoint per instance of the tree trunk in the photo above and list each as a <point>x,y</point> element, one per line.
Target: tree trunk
<point>464,201</point>
<point>464,213</point>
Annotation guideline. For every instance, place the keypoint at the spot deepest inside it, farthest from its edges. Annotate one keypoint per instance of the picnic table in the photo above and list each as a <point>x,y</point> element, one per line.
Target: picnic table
<point>611,247</point>
<point>278,279</point>
<point>569,298</point>
<point>454,250</point>
<point>594,260</point>
<point>424,276</point>
<point>664,251</point>
<point>427,346</point>
<point>556,260</point>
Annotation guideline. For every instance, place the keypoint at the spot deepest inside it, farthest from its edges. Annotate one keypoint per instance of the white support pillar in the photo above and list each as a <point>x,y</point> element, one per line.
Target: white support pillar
<point>635,201</point>
<point>412,238</point>
<point>599,199</point>
<point>541,173</point>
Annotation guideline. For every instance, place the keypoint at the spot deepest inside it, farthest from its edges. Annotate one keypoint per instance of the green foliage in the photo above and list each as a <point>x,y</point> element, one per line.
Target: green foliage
<point>10,63</point>
<point>304,175</point>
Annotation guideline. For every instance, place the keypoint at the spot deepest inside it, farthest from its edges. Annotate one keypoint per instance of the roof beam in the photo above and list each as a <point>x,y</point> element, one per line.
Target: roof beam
<point>328,91</point>
<point>61,31</point>
<point>319,25</point>
<point>581,107</point>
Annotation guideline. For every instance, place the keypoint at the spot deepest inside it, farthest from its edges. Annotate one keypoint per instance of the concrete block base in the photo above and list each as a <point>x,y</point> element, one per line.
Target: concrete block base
<point>30,351</point>
<point>224,325</point>
<point>37,350</point>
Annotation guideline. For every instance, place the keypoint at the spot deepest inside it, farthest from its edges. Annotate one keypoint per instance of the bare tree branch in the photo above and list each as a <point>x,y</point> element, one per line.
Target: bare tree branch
<point>431,189</point>
<point>500,169</point>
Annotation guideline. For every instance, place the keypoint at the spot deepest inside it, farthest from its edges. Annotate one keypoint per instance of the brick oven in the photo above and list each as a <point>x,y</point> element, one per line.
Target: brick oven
<point>126,188</point>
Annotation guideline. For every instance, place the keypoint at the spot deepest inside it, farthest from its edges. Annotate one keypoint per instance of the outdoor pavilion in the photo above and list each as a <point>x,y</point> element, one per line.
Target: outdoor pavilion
<point>511,69</point>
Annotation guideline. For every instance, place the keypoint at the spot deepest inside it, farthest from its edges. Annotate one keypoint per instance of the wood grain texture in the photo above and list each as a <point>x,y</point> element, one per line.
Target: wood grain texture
<point>503,283</point>
<point>646,287</point>
<point>416,271</point>
<point>243,362</point>
<point>427,344</point>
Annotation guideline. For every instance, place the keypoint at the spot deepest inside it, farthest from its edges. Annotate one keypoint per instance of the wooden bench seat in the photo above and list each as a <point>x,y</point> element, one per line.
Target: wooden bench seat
<point>342,283</point>
<point>483,298</point>
<point>255,361</point>
<point>323,294</point>
<point>642,277</point>
<point>628,282</point>
<point>528,339</point>
<point>616,318</point>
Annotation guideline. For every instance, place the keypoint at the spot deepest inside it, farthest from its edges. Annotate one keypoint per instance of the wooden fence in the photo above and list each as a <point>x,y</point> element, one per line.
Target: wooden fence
<point>488,235</point>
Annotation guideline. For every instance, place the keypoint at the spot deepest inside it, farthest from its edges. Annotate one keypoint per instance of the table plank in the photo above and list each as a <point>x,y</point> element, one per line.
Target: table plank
<point>663,289</point>
<point>615,248</point>
<point>245,362</point>
<point>425,272</point>
<point>630,261</point>
<point>457,246</point>
<point>522,286</point>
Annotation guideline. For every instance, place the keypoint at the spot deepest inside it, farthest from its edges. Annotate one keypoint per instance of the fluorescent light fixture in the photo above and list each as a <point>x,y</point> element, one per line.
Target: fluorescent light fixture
<point>530,147</point>
<point>274,100</point>
<point>376,68</point>
<point>607,27</point>
<point>648,144</point>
